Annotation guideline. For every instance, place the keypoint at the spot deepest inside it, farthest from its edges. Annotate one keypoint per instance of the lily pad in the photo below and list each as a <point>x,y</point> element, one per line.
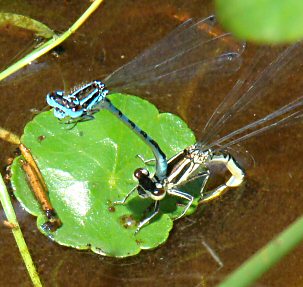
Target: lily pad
<point>266,21</point>
<point>88,167</point>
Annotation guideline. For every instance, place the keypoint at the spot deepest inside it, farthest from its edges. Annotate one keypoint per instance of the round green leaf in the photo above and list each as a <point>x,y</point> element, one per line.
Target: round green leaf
<point>263,21</point>
<point>90,166</point>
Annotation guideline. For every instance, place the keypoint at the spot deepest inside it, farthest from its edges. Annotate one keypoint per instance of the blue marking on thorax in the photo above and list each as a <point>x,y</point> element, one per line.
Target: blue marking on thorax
<point>75,106</point>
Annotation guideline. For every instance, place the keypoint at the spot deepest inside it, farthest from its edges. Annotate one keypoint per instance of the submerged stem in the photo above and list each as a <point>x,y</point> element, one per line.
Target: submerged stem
<point>267,257</point>
<point>9,136</point>
<point>11,217</point>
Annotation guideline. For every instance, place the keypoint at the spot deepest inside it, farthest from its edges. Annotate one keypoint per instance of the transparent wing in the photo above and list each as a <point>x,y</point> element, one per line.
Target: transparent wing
<point>255,89</point>
<point>284,116</point>
<point>29,70</point>
<point>196,47</point>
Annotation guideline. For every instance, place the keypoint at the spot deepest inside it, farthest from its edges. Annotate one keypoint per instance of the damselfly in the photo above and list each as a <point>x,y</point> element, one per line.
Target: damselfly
<point>194,161</point>
<point>193,48</point>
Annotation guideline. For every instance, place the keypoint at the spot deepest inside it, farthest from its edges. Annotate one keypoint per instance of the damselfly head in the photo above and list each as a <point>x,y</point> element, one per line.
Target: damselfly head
<point>147,187</point>
<point>140,173</point>
<point>53,97</point>
<point>63,106</point>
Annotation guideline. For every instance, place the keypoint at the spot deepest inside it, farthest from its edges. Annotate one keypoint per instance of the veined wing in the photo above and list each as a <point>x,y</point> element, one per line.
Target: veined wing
<point>196,47</point>
<point>256,87</point>
<point>286,115</point>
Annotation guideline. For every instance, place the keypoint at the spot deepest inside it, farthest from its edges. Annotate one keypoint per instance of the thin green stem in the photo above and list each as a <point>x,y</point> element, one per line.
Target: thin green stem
<point>11,217</point>
<point>52,43</point>
<point>4,196</point>
<point>267,257</point>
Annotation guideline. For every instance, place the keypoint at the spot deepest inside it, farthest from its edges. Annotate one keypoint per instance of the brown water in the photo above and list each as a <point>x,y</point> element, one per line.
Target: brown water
<point>235,226</point>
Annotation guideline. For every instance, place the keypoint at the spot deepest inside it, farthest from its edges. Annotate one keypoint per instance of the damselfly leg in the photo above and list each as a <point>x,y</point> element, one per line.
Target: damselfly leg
<point>150,217</point>
<point>183,195</point>
<point>73,122</point>
<point>126,196</point>
<point>204,176</point>
<point>146,161</point>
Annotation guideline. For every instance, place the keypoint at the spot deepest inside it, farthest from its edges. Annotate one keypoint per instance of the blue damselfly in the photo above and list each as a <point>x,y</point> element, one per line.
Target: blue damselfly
<point>193,48</point>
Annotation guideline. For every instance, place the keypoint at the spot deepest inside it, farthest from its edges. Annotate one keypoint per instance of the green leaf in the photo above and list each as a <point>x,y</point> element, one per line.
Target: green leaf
<point>90,166</point>
<point>263,21</point>
<point>25,22</point>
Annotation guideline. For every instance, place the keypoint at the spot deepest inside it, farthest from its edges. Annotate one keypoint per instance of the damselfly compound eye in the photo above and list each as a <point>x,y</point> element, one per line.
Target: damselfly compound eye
<point>141,172</point>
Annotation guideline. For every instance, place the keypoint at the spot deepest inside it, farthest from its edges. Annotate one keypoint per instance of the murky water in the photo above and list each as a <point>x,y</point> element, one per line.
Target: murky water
<point>235,226</point>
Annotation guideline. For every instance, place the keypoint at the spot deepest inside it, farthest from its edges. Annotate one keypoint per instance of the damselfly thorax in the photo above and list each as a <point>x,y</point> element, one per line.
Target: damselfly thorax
<point>184,164</point>
<point>79,103</point>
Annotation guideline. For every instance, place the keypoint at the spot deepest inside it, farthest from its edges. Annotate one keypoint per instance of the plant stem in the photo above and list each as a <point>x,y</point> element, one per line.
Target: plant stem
<point>4,196</point>
<point>11,217</point>
<point>52,43</point>
<point>266,257</point>
<point>9,136</point>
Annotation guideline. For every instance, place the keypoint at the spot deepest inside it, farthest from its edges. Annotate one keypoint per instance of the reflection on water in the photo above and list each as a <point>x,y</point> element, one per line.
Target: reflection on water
<point>235,226</point>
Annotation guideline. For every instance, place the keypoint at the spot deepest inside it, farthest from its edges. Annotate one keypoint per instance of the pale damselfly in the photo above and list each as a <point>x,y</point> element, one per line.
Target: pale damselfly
<point>194,161</point>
